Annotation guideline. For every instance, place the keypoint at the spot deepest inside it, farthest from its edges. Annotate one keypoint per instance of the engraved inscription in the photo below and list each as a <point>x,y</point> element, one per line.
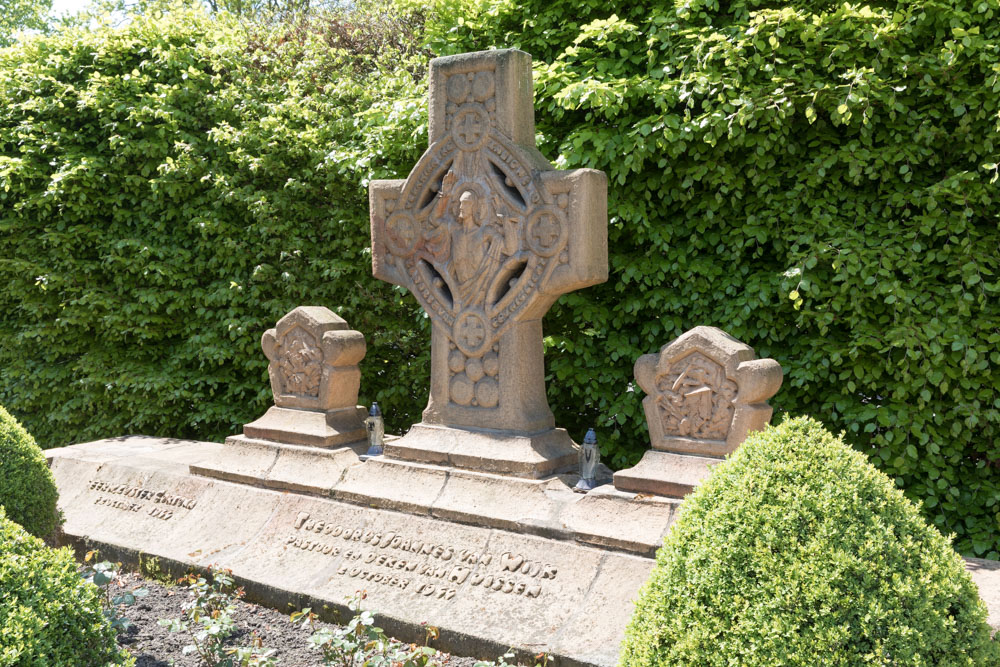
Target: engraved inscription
<point>420,567</point>
<point>161,504</point>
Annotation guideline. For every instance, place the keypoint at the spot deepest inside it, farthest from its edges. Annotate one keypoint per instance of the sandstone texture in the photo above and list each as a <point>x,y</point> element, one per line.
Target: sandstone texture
<point>486,236</point>
<point>705,392</point>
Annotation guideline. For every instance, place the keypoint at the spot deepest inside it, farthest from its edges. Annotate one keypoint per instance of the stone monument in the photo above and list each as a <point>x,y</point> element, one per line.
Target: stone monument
<point>486,236</point>
<point>476,521</point>
<point>705,392</point>
<point>313,366</point>
<point>315,380</point>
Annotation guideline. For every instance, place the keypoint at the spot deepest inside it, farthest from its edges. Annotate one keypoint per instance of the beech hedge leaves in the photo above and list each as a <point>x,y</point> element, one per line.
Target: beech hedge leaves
<point>168,190</point>
<point>819,179</point>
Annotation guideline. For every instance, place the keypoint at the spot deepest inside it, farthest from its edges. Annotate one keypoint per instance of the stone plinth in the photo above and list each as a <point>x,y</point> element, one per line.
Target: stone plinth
<point>486,236</point>
<point>494,561</point>
<point>706,391</point>
<point>313,366</point>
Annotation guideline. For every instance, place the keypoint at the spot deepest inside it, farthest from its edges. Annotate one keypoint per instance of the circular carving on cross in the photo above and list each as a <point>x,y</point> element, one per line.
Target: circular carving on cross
<point>546,232</point>
<point>462,390</point>
<point>487,392</point>
<point>483,86</point>
<point>458,88</point>
<point>474,369</point>
<point>471,333</point>
<point>470,127</point>
<point>401,234</point>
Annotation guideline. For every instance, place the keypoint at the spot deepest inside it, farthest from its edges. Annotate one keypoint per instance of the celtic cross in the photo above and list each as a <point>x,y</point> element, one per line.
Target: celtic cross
<point>486,236</point>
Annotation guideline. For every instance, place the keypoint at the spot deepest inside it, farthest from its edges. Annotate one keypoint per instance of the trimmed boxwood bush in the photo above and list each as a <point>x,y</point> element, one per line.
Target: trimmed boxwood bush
<point>49,616</point>
<point>27,488</point>
<point>797,551</point>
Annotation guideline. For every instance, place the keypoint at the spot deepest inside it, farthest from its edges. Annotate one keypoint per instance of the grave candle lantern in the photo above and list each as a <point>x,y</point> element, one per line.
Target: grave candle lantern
<point>376,432</point>
<point>590,457</point>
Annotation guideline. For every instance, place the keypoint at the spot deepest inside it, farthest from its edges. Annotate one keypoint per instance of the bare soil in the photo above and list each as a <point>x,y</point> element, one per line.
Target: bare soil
<point>154,646</point>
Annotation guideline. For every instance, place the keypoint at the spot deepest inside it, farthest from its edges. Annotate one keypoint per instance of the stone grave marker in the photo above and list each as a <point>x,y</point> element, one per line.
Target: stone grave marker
<point>705,392</point>
<point>486,236</point>
<point>315,421</point>
<point>469,522</point>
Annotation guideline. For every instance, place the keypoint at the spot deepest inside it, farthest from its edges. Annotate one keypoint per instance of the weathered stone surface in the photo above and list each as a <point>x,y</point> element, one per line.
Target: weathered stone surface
<point>610,518</point>
<point>561,582</point>
<point>706,391</point>
<point>501,452</point>
<point>315,379</point>
<point>986,575</point>
<point>486,235</point>
<point>279,466</point>
<point>332,428</point>
<point>487,588</point>
<point>665,473</point>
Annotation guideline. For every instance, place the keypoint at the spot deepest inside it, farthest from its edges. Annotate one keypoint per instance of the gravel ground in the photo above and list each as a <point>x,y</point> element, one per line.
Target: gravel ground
<point>154,646</point>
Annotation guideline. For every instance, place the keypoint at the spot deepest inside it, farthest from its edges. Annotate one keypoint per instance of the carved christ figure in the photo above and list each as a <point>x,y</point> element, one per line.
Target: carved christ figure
<point>474,249</point>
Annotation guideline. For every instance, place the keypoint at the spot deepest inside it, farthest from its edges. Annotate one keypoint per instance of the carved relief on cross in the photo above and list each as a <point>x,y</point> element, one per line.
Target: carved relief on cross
<point>486,235</point>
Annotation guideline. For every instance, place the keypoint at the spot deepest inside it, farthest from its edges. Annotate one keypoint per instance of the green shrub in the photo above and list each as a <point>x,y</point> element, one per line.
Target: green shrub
<point>169,188</point>
<point>49,616</point>
<point>797,551</point>
<point>28,491</point>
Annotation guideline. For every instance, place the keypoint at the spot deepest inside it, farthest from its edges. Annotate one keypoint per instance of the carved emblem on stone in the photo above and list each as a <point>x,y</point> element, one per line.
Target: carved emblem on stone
<point>473,228</point>
<point>314,357</point>
<point>315,379</point>
<point>480,233</point>
<point>300,364</point>
<point>706,392</point>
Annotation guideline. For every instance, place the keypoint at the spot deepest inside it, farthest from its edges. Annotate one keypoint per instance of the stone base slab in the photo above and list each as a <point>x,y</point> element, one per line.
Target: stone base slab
<point>486,583</point>
<point>529,455</point>
<point>665,474</point>
<point>557,572</point>
<point>333,428</point>
<point>278,466</point>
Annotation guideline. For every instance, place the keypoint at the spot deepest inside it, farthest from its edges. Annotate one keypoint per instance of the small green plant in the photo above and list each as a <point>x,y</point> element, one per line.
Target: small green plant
<point>102,574</point>
<point>360,643</point>
<point>151,568</point>
<point>208,618</point>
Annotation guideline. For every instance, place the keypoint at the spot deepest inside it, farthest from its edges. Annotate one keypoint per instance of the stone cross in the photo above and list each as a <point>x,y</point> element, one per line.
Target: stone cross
<point>705,392</point>
<point>486,236</point>
<point>315,379</point>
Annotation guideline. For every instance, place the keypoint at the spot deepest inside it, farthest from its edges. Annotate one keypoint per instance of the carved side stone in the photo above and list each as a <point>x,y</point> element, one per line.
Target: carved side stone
<point>706,391</point>
<point>315,380</point>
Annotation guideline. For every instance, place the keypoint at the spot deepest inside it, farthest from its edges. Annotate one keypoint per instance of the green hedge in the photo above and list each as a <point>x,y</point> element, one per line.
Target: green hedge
<point>815,178</point>
<point>49,616</point>
<point>797,551</point>
<point>28,492</point>
<point>168,190</point>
